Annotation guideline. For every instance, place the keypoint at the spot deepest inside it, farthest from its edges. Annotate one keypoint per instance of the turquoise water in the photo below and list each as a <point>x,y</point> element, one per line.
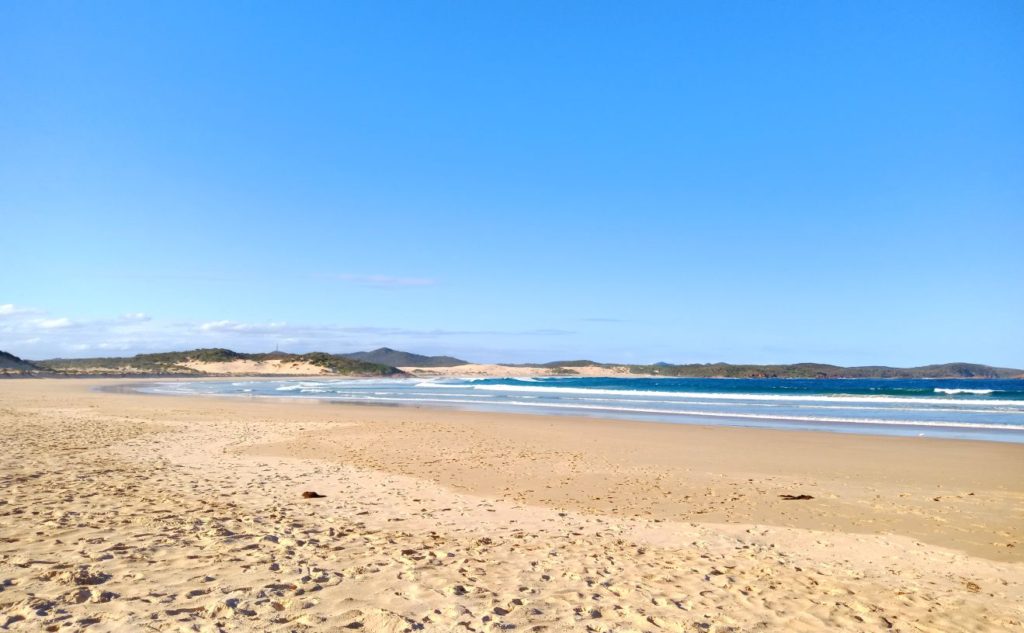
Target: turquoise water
<point>968,409</point>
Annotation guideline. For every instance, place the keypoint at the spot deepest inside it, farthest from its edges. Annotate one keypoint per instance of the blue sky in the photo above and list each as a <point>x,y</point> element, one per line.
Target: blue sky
<point>516,181</point>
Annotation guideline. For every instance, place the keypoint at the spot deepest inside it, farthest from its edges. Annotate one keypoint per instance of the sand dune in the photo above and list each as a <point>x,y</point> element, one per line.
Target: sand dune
<point>243,367</point>
<point>127,512</point>
<point>481,370</point>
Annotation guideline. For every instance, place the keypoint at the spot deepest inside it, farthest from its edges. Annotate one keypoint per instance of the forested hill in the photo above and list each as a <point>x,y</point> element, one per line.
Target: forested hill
<point>9,363</point>
<point>395,358</point>
<point>817,370</point>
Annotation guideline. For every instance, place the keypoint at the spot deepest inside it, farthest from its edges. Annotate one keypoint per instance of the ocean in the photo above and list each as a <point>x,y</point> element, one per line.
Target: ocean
<point>975,409</point>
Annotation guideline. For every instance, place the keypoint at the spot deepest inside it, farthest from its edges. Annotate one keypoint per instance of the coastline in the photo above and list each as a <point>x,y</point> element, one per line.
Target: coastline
<point>261,369</point>
<point>812,410</point>
<point>693,472</point>
<point>439,517</point>
<point>695,464</point>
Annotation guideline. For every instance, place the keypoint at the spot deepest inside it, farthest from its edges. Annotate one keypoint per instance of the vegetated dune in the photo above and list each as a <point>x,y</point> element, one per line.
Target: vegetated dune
<point>219,361</point>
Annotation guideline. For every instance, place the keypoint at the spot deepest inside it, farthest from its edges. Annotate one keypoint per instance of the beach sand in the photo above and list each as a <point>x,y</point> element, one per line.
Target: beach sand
<point>127,512</point>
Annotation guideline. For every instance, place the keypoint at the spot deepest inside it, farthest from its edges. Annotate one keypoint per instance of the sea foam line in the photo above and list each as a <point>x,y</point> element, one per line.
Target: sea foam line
<point>548,405</point>
<point>841,407</point>
<point>753,416</point>
<point>411,395</point>
<point>747,396</point>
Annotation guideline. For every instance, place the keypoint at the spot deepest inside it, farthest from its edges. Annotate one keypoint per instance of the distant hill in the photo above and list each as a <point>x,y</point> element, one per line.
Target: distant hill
<point>385,362</point>
<point>562,363</point>
<point>797,370</point>
<point>395,358</point>
<point>219,361</point>
<point>11,364</point>
<point>818,370</point>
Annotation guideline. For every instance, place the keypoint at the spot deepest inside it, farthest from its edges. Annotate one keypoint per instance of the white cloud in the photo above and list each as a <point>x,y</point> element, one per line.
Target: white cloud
<point>55,324</point>
<point>9,309</point>
<point>213,326</point>
<point>39,335</point>
<point>234,326</point>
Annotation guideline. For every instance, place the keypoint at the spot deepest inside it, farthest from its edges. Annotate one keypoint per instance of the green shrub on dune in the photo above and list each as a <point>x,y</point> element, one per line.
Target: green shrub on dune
<point>175,363</point>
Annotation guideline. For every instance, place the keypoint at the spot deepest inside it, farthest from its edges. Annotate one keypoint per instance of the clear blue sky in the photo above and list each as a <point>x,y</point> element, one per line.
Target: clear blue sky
<point>514,181</point>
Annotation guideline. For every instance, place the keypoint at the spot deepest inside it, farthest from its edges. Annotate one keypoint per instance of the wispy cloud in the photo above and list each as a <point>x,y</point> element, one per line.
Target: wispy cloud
<point>55,324</point>
<point>383,281</point>
<point>236,327</point>
<point>35,334</point>
<point>11,310</point>
<point>22,327</point>
<point>543,332</point>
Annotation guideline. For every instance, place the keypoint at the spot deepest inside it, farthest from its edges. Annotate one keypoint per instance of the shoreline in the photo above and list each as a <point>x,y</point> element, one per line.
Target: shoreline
<point>123,510</point>
<point>949,430</point>
<point>689,472</point>
<point>812,453</point>
<point>136,388</point>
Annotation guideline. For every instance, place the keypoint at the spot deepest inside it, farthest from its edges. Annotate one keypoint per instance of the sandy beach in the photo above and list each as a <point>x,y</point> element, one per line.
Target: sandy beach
<point>128,512</point>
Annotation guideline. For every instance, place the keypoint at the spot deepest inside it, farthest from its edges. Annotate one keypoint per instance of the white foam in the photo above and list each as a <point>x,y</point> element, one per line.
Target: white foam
<point>977,392</point>
<point>290,388</point>
<point>746,396</point>
<point>706,414</point>
<point>441,385</point>
<point>813,405</point>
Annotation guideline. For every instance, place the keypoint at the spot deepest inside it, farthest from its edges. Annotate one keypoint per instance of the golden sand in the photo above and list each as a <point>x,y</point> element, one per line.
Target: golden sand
<point>123,512</point>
